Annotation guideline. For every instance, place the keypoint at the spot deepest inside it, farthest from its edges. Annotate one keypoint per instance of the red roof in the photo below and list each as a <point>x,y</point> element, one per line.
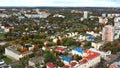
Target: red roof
<point>83,61</point>
<point>25,49</point>
<point>89,31</point>
<point>59,49</point>
<point>91,54</point>
<point>50,65</point>
<point>72,64</point>
<point>66,66</point>
<point>46,47</point>
<point>10,27</point>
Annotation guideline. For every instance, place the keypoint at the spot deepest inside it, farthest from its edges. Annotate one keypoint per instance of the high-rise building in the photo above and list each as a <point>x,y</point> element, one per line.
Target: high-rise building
<point>108,33</point>
<point>85,16</point>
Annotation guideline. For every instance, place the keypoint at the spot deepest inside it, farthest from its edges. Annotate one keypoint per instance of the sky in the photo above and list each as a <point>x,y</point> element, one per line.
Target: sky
<point>62,3</point>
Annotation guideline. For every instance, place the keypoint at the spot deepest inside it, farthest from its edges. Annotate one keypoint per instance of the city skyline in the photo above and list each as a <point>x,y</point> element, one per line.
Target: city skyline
<point>61,3</point>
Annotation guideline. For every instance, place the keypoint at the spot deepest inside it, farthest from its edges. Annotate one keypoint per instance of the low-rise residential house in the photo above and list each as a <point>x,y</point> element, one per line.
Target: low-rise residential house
<point>117,19</point>
<point>115,65</point>
<point>92,33</point>
<point>102,54</point>
<point>58,15</point>
<point>60,50</point>
<point>86,37</point>
<point>36,60</point>
<point>77,51</point>
<point>3,43</point>
<point>21,17</point>
<point>103,20</point>
<point>10,27</point>
<point>113,15</point>
<point>4,15</point>
<point>6,29</point>
<point>71,34</point>
<point>73,64</point>
<point>50,65</point>
<point>46,48</point>
<point>41,15</point>
<point>55,40</point>
<point>65,66</point>
<point>92,58</point>
<point>96,45</point>
<point>65,60</point>
<point>30,47</point>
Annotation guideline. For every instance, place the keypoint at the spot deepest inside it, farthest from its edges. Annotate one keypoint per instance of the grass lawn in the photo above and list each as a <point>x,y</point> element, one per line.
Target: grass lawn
<point>21,65</point>
<point>1,35</point>
<point>7,60</point>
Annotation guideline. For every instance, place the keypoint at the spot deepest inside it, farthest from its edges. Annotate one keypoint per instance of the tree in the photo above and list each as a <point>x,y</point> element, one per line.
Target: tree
<point>77,58</point>
<point>69,42</point>
<point>49,57</point>
<point>87,45</point>
<point>60,64</point>
<point>1,51</point>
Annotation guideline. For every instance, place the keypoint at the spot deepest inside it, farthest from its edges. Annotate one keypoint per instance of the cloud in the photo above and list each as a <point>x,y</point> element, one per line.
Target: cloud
<point>79,3</point>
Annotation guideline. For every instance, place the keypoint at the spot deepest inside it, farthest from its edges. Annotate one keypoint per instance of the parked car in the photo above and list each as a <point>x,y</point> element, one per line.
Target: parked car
<point>2,61</point>
<point>6,66</point>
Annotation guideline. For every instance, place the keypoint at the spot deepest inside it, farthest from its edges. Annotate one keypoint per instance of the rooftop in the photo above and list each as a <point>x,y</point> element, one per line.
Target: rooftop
<point>14,49</point>
<point>72,64</point>
<point>66,59</point>
<point>117,64</point>
<point>51,65</point>
<point>83,61</point>
<point>66,66</point>
<point>91,54</point>
<point>78,50</point>
<point>36,60</point>
<point>59,49</point>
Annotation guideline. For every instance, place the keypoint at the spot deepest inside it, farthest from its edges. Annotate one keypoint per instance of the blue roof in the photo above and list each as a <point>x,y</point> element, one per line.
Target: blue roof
<point>78,50</point>
<point>66,59</point>
<point>90,38</point>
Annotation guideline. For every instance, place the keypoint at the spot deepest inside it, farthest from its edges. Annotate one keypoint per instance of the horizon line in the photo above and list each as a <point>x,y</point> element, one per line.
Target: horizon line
<point>64,6</point>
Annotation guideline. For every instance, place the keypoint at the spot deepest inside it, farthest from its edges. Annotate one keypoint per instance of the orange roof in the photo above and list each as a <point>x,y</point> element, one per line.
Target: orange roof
<point>112,66</point>
<point>91,54</point>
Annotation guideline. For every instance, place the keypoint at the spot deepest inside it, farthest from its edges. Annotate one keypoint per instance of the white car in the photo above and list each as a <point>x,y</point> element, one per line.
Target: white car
<point>2,61</point>
<point>6,66</point>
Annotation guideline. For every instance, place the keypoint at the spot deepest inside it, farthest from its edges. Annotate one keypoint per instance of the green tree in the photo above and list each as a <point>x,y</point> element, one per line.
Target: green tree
<point>69,41</point>
<point>60,64</point>
<point>77,58</point>
<point>49,57</point>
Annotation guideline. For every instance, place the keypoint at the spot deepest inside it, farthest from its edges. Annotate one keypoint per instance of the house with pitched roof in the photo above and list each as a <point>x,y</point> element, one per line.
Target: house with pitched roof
<point>90,59</point>
<point>50,65</point>
<point>115,65</point>
<point>77,51</point>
